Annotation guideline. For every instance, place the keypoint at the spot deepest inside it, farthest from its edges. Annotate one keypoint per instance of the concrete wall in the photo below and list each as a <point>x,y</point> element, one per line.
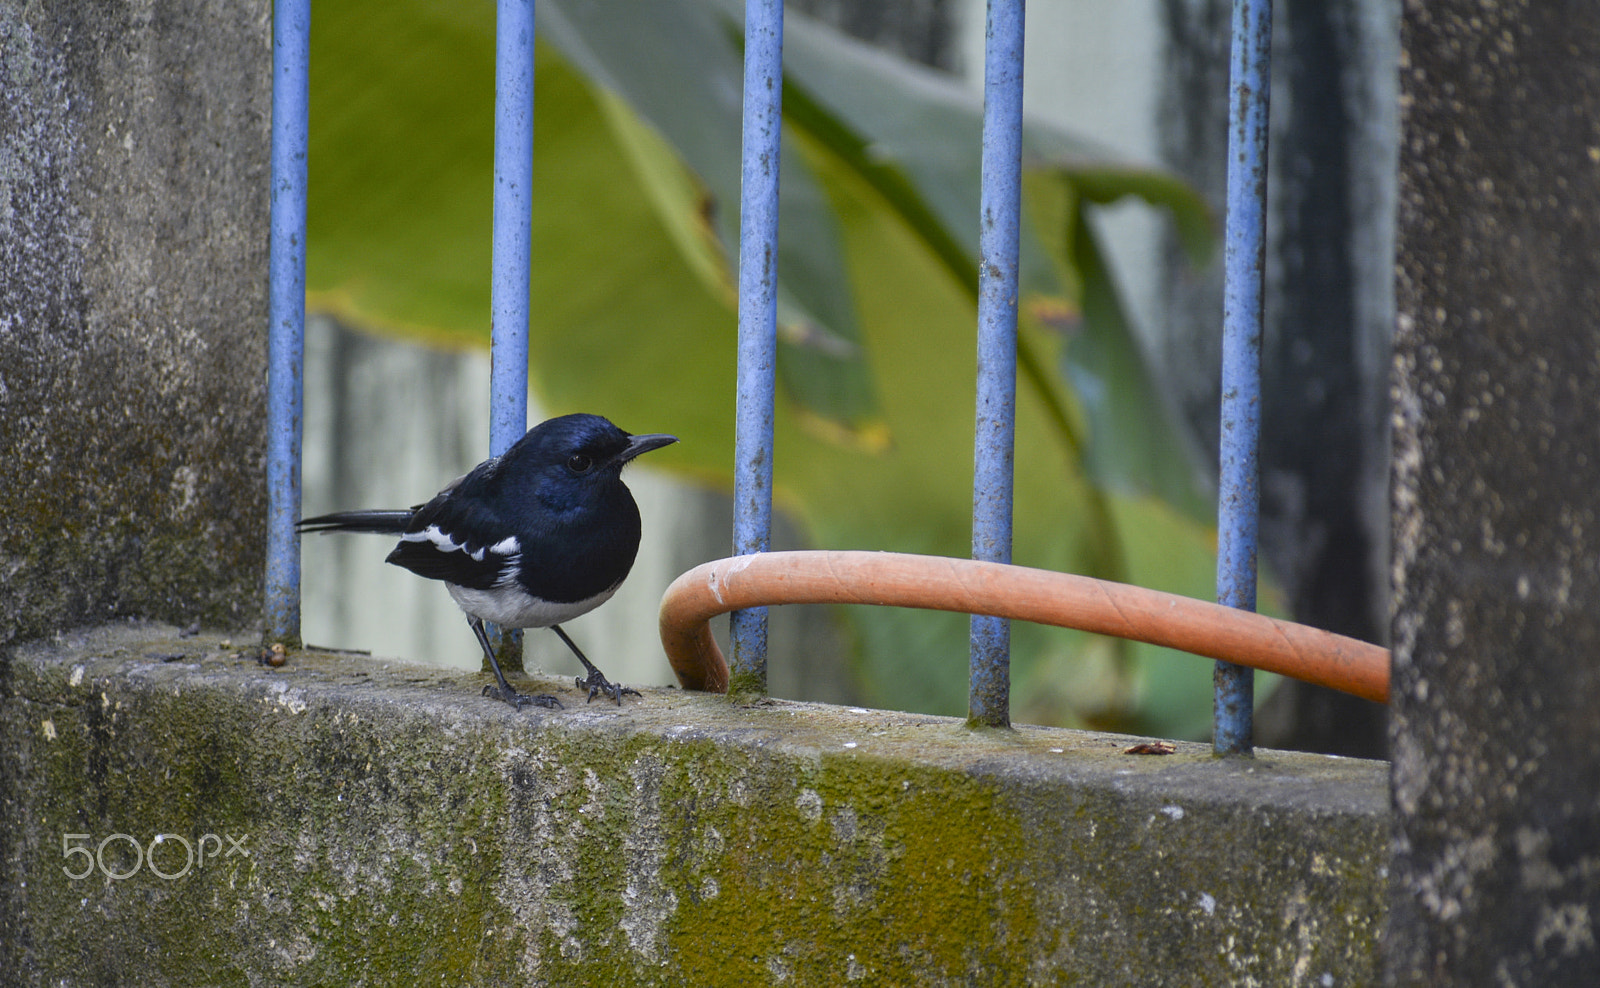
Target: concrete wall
<point>393,827</point>
<point>1496,875</point>
<point>133,218</point>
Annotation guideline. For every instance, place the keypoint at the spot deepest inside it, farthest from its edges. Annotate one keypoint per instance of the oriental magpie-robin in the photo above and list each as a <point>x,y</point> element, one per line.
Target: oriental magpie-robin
<point>536,536</point>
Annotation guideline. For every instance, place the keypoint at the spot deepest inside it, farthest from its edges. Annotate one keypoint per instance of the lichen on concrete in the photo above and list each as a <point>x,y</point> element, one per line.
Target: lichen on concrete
<point>398,828</point>
<point>1496,699</point>
<point>133,218</point>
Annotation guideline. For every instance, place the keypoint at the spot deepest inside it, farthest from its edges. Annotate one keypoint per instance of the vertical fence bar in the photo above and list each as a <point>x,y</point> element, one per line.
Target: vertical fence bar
<point>286,313</point>
<point>989,698</point>
<point>512,250</point>
<point>758,321</point>
<point>513,223</point>
<point>1245,250</point>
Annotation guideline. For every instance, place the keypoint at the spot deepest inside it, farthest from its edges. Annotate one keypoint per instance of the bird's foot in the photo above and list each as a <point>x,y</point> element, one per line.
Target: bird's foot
<point>520,700</point>
<point>599,685</point>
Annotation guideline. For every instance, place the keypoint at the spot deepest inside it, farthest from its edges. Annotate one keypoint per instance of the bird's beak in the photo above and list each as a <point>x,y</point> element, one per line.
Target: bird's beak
<point>644,444</point>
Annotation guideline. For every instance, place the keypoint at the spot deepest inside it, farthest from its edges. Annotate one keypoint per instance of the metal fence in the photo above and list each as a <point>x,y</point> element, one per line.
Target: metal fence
<point>989,691</point>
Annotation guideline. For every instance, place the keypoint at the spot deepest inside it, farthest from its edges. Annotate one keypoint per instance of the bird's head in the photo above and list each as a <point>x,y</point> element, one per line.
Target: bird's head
<point>572,460</point>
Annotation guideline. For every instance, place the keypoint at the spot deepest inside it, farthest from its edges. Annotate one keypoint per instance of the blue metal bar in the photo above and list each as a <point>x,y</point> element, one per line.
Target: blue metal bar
<point>989,698</point>
<point>286,313</point>
<point>1245,249</point>
<point>512,250</point>
<point>513,223</point>
<point>758,322</point>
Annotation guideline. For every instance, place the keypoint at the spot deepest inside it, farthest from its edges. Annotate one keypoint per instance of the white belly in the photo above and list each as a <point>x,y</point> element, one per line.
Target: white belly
<point>512,607</point>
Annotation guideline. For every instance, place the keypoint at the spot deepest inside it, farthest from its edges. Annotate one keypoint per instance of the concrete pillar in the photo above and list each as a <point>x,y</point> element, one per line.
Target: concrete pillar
<point>133,219</point>
<point>1496,712</point>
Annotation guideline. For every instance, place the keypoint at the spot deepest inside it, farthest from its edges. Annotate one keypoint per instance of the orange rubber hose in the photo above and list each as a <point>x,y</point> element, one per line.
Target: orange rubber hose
<point>1018,592</point>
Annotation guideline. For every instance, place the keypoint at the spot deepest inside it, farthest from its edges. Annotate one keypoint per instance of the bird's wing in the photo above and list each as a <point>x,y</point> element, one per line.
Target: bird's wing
<point>456,540</point>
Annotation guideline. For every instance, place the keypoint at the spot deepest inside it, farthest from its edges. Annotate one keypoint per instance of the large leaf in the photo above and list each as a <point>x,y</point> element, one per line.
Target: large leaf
<point>400,167</point>
<point>1132,446</point>
<point>672,64</point>
<point>632,300</point>
<point>914,134</point>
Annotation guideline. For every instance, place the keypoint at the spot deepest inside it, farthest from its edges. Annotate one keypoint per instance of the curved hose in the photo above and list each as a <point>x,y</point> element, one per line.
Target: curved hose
<point>1018,592</point>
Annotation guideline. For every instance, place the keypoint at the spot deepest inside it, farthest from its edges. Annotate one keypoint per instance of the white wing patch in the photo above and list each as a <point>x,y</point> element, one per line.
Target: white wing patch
<point>444,543</point>
<point>512,550</point>
<point>441,541</point>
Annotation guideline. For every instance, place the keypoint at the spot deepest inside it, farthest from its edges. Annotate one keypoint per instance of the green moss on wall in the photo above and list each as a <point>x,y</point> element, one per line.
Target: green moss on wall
<point>400,829</point>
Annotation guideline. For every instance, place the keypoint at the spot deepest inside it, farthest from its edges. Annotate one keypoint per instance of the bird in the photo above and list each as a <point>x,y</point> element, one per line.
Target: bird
<point>531,538</point>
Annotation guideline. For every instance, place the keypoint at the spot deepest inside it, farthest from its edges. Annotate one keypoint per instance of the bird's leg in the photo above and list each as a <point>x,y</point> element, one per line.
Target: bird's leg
<point>597,683</point>
<point>504,690</point>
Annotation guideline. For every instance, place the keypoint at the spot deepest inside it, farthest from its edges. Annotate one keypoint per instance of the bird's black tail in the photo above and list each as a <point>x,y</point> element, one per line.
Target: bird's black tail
<point>376,522</point>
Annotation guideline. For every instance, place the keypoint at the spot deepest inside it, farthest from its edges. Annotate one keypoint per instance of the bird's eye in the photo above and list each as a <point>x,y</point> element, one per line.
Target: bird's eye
<point>579,463</point>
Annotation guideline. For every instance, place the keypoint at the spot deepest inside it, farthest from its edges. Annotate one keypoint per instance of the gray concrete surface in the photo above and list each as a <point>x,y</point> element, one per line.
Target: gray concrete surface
<point>1496,739</point>
<point>133,238</point>
<point>394,827</point>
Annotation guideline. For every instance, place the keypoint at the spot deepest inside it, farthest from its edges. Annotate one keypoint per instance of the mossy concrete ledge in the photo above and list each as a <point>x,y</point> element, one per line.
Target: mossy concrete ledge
<point>379,823</point>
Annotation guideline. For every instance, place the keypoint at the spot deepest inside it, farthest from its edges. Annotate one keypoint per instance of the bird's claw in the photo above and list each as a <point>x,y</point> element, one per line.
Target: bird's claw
<point>598,685</point>
<point>520,700</point>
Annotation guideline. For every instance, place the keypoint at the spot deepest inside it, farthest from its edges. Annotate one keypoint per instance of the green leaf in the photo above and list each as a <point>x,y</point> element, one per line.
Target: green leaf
<point>671,65</point>
<point>1133,445</point>
<point>399,167</point>
<point>914,136</point>
<point>1102,184</point>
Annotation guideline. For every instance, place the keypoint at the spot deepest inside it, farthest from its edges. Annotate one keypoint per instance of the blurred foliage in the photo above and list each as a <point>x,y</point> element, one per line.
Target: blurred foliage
<point>635,227</point>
